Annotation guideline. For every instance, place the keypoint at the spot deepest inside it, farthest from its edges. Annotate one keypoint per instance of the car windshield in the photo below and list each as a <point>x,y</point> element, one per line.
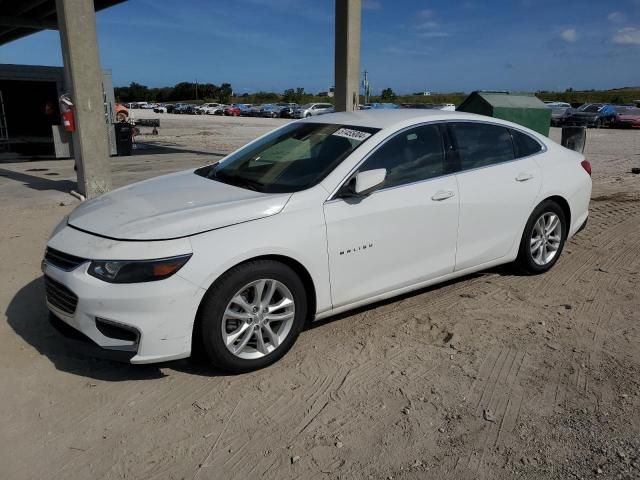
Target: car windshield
<point>630,111</point>
<point>306,105</point>
<point>290,159</point>
<point>592,108</point>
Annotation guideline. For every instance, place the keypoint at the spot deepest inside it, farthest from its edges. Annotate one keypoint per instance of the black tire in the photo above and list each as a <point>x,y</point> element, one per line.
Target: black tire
<point>219,295</point>
<point>525,261</point>
<point>307,115</point>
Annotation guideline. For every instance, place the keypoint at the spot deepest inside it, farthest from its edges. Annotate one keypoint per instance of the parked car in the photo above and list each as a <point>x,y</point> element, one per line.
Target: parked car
<point>379,106</point>
<point>273,110</point>
<point>170,107</point>
<point>179,107</point>
<point>245,109</point>
<point>209,108</point>
<point>368,205</point>
<point>287,112</point>
<point>186,109</point>
<point>628,118</point>
<point>312,109</point>
<point>254,110</point>
<point>559,112</point>
<point>160,108</point>
<point>232,110</point>
<point>592,115</point>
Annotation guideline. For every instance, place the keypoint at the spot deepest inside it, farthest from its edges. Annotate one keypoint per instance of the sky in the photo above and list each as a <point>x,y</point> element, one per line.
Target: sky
<point>408,45</point>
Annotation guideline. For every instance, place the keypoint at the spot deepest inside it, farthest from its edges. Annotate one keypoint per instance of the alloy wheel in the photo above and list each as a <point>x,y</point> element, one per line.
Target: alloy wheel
<point>546,238</point>
<point>258,319</point>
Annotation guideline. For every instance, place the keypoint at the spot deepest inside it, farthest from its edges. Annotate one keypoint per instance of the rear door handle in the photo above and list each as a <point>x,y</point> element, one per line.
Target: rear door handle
<point>442,195</point>
<point>523,177</point>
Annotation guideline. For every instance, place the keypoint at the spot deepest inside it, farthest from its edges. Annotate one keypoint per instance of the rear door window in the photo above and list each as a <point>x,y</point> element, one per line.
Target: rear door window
<point>524,145</point>
<point>482,144</point>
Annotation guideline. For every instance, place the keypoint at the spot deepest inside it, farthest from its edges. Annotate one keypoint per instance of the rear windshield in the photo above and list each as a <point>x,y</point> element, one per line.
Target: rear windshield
<point>290,159</point>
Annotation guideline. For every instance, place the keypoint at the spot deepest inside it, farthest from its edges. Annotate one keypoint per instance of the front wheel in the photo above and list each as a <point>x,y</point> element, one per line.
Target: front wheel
<point>252,316</point>
<point>543,238</point>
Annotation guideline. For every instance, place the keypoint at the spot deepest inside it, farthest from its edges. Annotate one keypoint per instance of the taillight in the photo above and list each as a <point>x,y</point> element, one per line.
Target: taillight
<point>587,166</point>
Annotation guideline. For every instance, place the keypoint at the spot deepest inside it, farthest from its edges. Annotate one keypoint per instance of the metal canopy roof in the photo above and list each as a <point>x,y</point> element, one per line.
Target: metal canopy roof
<point>19,18</point>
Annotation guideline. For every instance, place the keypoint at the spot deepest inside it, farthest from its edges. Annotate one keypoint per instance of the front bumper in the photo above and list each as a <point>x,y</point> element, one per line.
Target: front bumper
<point>161,313</point>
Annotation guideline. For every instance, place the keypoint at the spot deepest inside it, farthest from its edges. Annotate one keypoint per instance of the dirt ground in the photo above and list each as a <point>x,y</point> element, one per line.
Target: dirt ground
<point>492,376</point>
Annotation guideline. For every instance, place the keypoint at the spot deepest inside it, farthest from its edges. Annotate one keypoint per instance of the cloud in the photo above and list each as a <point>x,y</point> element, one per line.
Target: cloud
<point>427,25</point>
<point>412,52</point>
<point>433,34</point>
<point>425,14</point>
<point>569,35</point>
<point>627,36</point>
<point>371,5</point>
<point>616,17</point>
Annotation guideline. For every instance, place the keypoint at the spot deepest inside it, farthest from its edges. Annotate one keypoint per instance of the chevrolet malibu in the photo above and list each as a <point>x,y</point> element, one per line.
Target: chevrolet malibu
<point>315,218</point>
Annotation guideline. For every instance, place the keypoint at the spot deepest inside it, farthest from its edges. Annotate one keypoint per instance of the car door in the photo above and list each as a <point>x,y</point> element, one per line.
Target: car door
<point>401,234</point>
<point>497,190</point>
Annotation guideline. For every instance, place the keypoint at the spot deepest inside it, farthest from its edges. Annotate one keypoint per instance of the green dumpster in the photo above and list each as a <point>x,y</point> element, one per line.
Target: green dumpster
<point>523,109</point>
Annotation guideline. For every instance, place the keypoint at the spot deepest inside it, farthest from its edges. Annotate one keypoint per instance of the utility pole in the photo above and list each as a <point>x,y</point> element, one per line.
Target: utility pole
<point>83,77</point>
<point>347,54</point>
<point>365,86</point>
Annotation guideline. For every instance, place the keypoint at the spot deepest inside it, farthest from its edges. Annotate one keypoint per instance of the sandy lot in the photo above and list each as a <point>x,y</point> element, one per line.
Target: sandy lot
<point>492,376</point>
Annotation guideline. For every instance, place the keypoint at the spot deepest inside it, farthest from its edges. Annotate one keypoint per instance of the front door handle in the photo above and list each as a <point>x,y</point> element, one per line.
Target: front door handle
<point>523,177</point>
<point>442,195</point>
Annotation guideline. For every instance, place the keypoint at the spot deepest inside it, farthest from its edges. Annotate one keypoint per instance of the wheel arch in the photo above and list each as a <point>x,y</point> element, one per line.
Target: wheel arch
<point>564,205</point>
<point>295,265</point>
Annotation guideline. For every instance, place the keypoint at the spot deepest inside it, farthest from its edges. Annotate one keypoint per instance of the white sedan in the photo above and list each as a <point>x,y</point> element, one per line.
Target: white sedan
<point>315,218</point>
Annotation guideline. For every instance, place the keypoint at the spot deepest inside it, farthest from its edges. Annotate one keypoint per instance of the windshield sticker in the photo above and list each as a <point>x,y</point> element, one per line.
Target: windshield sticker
<point>352,134</point>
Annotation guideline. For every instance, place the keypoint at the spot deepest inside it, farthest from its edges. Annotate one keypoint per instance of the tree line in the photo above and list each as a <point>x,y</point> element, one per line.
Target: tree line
<point>208,92</point>
<point>136,92</point>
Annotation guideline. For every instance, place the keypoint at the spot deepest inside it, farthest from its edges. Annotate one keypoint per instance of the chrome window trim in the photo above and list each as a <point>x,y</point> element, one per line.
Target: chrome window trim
<point>543,149</point>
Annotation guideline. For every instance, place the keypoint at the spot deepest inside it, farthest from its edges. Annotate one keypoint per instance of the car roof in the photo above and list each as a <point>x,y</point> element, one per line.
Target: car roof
<point>389,118</point>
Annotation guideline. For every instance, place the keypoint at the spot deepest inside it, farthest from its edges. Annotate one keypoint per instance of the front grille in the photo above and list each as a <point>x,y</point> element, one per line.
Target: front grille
<point>62,260</point>
<point>60,296</point>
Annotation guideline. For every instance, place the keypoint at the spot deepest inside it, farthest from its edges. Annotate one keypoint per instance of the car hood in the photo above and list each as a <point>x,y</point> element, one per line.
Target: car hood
<point>173,206</point>
<point>628,117</point>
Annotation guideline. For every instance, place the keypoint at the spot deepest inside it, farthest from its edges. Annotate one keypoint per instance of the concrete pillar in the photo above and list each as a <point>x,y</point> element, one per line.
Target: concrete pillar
<point>347,55</point>
<point>83,75</point>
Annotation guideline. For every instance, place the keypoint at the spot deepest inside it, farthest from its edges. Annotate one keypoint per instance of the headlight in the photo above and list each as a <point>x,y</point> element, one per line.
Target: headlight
<point>136,271</point>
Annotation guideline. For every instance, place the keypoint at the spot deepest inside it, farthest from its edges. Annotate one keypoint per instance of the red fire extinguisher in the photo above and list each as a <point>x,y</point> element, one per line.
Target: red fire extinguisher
<point>66,111</point>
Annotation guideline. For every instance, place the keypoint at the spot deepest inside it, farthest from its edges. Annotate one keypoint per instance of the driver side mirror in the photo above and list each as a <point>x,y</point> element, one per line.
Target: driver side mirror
<point>363,183</point>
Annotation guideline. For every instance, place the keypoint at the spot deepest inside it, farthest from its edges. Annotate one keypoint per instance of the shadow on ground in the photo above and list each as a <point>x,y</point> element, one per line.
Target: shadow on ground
<point>28,316</point>
<point>152,148</point>
<point>38,183</point>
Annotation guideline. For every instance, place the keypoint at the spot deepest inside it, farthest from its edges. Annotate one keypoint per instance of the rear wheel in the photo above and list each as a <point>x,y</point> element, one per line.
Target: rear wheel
<point>543,238</point>
<point>252,316</point>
